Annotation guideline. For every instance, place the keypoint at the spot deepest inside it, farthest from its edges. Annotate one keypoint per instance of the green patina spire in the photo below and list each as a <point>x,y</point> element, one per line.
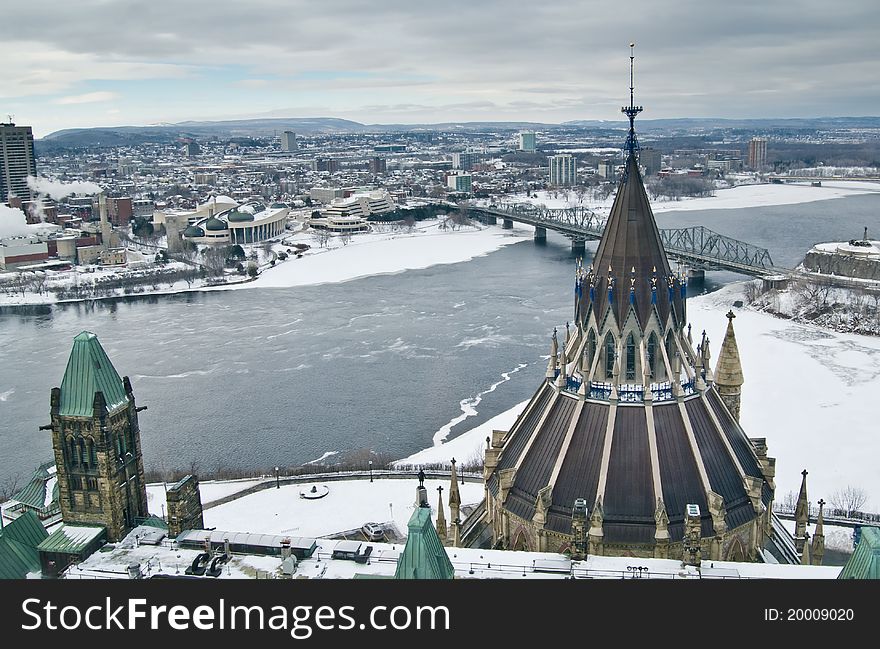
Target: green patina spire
<point>424,556</point>
<point>88,372</point>
<point>864,563</point>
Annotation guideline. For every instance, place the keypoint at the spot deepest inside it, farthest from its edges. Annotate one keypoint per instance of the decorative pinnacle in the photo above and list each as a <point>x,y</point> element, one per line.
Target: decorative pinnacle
<point>731,315</point>
<point>632,110</point>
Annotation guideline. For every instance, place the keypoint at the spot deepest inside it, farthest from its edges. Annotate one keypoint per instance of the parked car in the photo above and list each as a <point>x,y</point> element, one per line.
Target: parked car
<point>373,531</point>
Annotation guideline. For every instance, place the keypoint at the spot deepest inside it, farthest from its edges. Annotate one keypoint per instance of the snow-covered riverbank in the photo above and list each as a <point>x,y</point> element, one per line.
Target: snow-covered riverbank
<point>382,251</point>
<point>811,392</point>
<point>743,196</point>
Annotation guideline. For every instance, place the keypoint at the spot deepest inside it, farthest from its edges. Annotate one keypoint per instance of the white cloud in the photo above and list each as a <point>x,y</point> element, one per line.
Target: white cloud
<point>87,98</point>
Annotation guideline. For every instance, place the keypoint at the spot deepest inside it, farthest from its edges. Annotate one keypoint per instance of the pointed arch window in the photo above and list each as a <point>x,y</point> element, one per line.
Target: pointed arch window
<point>83,459</point>
<point>652,354</point>
<point>71,451</point>
<point>591,350</point>
<point>609,356</point>
<point>630,358</point>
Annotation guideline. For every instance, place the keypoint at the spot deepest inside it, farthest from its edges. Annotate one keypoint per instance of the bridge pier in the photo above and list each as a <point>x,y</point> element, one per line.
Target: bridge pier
<point>578,246</point>
<point>507,224</point>
<point>490,220</point>
<point>696,275</point>
<point>540,233</point>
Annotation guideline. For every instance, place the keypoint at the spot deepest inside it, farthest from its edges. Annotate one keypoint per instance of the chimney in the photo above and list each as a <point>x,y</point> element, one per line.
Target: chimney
<point>285,548</point>
<point>106,231</point>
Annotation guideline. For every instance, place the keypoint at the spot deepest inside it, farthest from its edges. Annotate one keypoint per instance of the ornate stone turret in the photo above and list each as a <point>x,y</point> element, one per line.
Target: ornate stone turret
<point>817,550</point>
<point>454,508</point>
<point>554,353</point>
<point>801,515</point>
<point>728,371</point>
<point>441,518</point>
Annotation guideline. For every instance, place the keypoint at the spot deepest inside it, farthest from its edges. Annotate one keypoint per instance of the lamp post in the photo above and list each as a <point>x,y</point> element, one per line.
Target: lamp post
<point>371,470</point>
<point>277,479</point>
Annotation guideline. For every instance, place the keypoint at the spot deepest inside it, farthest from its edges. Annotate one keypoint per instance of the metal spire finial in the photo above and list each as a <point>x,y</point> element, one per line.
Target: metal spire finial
<point>632,110</point>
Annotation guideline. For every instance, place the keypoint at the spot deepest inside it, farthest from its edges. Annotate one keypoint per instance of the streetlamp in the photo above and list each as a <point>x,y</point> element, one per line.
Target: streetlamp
<point>371,470</point>
<point>277,479</point>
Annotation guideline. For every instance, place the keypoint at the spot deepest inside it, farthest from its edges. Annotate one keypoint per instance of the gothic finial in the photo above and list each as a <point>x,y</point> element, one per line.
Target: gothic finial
<point>731,315</point>
<point>632,110</point>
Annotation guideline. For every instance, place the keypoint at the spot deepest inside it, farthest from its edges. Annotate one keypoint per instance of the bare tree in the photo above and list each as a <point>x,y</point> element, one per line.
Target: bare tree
<point>8,486</point>
<point>345,238</point>
<point>849,499</point>
<point>321,237</point>
<point>789,502</point>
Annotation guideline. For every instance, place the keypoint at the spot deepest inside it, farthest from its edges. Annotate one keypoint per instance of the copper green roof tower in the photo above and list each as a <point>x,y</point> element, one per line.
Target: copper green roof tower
<point>96,441</point>
<point>424,556</point>
<point>865,560</point>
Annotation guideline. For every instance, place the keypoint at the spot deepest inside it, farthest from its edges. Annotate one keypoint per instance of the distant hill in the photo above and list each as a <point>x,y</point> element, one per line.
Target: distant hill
<point>167,133</point>
<point>694,123</point>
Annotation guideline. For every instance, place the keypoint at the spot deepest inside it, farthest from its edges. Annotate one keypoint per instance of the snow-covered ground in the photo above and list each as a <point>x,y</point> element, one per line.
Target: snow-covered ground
<point>349,505</point>
<point>837,537</point>
<point>383,252</point>
<point>466,445</point>
<point>812,393</point>
<point>210,490</point>
<point>724,199</point>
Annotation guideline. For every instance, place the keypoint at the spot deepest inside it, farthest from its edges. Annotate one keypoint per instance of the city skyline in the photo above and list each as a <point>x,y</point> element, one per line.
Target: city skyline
<point>111,63</point>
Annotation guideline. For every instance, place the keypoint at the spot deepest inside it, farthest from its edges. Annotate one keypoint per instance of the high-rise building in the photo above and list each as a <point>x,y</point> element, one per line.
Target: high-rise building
<point>191,148</point>
<point>650,159</point>
<point>97,443</point>
<point>527,141</point>
<point>17,161</point>
<point>757,152</point>
<point>378,165</point>
<point>562,169</point>
<point>606,169</point>
<point>325,164</point>
<point>465,160</point>
<point>120,210</point>
<point>288,141</point>
<point>460,183</point>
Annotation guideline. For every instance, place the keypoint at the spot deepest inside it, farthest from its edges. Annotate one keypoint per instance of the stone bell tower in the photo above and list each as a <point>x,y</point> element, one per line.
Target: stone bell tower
<point>96,441</point>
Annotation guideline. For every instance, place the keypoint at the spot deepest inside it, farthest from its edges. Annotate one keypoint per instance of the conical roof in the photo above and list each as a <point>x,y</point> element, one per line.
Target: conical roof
<point>728,371</point>
<point>89,371</point>
<point>631,253</point>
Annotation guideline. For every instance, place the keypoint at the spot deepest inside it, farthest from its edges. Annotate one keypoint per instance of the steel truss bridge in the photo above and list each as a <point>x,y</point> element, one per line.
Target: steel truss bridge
<point>697,247</point>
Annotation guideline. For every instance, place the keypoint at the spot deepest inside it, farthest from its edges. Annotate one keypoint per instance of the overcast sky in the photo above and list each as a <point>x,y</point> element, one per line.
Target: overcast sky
<point>110,62</point>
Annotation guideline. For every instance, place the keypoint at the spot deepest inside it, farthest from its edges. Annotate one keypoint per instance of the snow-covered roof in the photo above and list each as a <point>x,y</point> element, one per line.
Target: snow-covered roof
<point>468,563</point>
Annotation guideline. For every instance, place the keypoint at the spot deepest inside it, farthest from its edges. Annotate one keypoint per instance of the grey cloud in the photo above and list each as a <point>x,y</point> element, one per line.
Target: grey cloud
<point>698,56</point>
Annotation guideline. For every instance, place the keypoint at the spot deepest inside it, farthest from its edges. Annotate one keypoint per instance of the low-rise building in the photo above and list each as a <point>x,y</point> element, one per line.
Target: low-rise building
<point>22,250</point>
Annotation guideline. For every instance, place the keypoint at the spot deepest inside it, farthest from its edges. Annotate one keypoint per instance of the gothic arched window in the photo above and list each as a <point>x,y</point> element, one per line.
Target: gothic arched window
<point>630,358</point>
<point>591,350</point>
<point>652,354</point>
<point>609,356</point>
